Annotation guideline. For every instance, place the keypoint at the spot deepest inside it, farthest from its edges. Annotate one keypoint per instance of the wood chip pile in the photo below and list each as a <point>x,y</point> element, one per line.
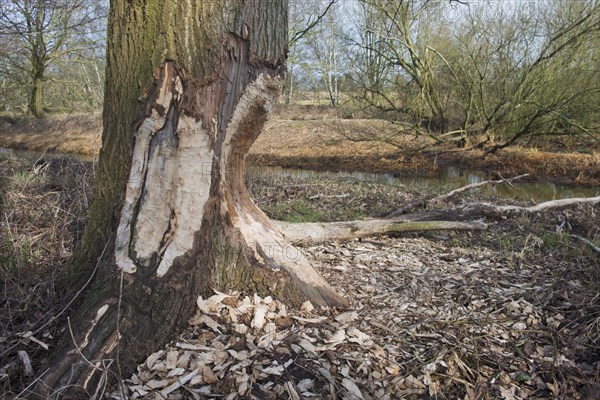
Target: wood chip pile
<point>429,320</point>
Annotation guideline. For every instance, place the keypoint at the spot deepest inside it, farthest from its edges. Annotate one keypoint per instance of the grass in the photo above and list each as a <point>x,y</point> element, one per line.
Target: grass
<point>300,210</point>
<point>306,199</point>
<point>15,253</point>
<point>294,211</point>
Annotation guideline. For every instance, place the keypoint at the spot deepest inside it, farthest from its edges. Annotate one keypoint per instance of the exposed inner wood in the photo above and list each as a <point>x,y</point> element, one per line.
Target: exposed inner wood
<point>168,185</point>
<point>318,232</point>
<point>270,249</point>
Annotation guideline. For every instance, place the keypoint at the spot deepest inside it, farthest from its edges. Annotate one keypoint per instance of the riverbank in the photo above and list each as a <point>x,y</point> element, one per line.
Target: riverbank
<point>509,311</point>
<point>296,138</point>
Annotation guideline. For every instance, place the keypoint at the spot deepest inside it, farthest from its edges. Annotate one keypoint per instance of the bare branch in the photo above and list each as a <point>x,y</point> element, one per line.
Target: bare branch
<point>300,34</point>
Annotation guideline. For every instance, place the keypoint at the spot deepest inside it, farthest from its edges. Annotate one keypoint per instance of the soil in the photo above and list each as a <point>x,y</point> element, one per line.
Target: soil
<point>512,312</point>
<point>317,138</point>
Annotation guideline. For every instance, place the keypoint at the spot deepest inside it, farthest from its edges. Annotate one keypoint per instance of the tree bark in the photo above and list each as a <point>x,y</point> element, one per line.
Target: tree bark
<point>35,23</point>
<point>36,106</point>
<point>189,86</point>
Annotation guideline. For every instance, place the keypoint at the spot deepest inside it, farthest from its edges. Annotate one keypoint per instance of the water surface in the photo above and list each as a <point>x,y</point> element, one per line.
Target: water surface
<point>448,178</point>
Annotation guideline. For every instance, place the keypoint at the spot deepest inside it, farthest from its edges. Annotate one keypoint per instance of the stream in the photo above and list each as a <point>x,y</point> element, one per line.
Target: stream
<point>448,178</point>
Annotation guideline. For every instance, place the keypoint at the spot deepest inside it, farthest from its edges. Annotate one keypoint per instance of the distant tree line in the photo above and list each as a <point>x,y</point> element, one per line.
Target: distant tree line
<point>478,72</point>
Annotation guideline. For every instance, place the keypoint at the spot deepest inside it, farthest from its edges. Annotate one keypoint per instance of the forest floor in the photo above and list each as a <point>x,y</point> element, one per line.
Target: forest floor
<point>512,312</point>
<point>317,138</point>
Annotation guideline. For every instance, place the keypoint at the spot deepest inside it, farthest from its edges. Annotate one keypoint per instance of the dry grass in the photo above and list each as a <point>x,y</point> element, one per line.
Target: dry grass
<point>64,133</point>
<point>43,212</point>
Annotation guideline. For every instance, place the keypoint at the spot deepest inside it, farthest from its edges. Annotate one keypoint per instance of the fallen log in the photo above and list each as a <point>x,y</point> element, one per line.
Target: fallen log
<point>478,210</point>
<point>429,220</point>
<point>318,232</point>
<point>554,204</point>
<point>472,210</point>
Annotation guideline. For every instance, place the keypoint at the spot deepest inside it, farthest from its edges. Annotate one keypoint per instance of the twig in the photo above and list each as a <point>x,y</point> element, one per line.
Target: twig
<point>26,361</point>
<point>118,353</point>
<point>287,373</point>
<point>32,383</point>
<point>335,196</point>
<point>88,362</point>
<point>586,241</point>
<point>423,203</point>
<point>298,35</point>
<point>477,185</point>
<point>101,386</point>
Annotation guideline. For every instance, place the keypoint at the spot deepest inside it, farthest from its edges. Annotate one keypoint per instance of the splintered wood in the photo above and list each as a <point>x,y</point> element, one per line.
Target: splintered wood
<point>427,319</point>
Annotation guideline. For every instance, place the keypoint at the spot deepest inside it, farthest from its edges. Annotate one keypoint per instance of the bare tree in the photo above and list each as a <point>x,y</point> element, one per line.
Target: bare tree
<point>497,73</point>
<point>323,49</point>
<point>528,71</point>
<point>42,32</point>
<point>305,30</point>
<point>397,57</point>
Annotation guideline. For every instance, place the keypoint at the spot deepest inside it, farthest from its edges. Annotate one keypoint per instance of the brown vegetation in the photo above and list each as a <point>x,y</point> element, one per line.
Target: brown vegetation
<point>43,206</point>
<point>570,167</point>
<point>62,133</point>
<point>316,138</point>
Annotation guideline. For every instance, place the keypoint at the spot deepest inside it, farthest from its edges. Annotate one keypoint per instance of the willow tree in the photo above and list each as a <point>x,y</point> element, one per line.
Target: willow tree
<point>190,84</point>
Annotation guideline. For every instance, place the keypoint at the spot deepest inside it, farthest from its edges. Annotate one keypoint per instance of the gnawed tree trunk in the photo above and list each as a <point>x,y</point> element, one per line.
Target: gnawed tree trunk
<point>189,86</point>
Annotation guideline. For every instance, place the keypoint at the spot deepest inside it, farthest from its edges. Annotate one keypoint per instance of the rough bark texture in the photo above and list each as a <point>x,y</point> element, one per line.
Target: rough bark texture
<point>189,86</point>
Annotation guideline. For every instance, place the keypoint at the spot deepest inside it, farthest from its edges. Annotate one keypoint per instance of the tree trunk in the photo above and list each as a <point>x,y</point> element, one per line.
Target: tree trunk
<point>36,106</point>
<point>189,86</point>
<point>35,22</point>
